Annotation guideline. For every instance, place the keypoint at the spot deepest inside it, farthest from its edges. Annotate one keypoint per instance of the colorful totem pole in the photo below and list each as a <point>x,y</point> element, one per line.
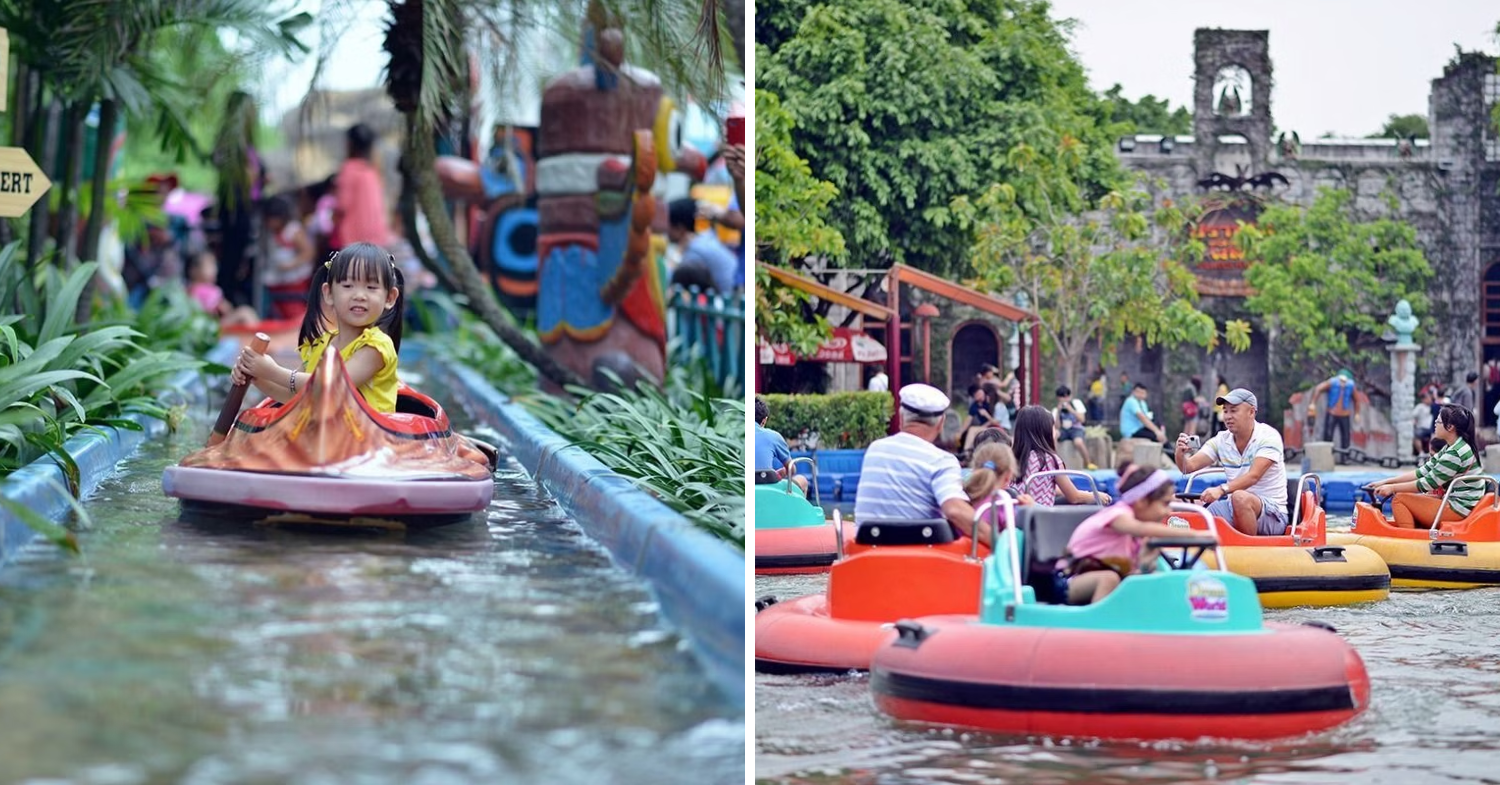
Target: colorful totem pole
<point>604,134</point>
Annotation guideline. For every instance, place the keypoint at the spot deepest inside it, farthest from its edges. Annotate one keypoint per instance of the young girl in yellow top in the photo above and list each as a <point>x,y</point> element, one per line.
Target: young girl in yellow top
<point>359,288</point>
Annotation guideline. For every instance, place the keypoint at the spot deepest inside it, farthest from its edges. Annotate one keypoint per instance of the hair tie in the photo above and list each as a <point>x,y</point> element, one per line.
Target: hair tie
<point>331,256</point>
<point>990,465</point>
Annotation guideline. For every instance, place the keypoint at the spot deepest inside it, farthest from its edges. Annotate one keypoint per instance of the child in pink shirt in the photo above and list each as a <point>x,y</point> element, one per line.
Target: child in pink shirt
<point>1107,545</point>
<point>360,214</point>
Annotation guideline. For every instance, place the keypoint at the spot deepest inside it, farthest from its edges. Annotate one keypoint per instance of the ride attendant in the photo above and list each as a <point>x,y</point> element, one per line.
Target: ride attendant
<point>1037,452</point>
<point>907,477</point>
<point>359,214</point>
<point>361,286</point>
<point>1107,547</point>
<point>1136,421</point>
<point>1339,407</point>
<point>1253,456</point>
<point>772,457</point>
<point>1418,494</point>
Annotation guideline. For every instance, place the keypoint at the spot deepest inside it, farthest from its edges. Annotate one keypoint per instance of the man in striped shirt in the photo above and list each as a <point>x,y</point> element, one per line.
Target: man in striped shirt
<point>908,477</point>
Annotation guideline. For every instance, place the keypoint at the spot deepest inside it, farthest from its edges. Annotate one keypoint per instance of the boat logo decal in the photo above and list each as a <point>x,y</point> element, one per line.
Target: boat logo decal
<point>1208,599</point>
<point>1178,522</point>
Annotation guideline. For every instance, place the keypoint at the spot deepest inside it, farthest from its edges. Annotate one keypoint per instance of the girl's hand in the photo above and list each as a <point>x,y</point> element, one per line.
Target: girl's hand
<point>254,365</point>
<point>1383,491</point>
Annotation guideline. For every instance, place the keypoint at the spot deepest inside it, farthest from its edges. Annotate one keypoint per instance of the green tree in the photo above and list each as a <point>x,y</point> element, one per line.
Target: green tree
<point>1326,278</point>
<point>1403,126</point>
<point>903,106</point>
<point>791,208</point>
<point>1149,115</point>
<point>1093,270</point>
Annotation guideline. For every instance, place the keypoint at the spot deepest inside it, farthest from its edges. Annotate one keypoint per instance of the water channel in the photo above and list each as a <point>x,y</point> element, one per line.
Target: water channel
<point>1434,717</point>
<point>506,649</point>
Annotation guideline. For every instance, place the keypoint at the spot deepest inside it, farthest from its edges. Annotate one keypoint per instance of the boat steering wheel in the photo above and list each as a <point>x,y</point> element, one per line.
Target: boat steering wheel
<point>1192,548</point>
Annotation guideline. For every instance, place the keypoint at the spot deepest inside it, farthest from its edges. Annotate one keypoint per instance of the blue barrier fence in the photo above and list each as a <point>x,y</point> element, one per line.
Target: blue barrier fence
<point>711,326</point>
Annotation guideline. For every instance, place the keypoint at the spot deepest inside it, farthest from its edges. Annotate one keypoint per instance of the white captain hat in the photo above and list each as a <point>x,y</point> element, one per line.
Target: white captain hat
<point>924,399</point>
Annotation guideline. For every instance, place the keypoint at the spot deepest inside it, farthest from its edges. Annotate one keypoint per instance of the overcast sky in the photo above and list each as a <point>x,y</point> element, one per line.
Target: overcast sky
<point>1338,65</point>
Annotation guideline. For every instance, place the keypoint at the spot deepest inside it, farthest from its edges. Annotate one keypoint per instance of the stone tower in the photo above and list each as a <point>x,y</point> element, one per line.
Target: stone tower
<point>1231,95</point>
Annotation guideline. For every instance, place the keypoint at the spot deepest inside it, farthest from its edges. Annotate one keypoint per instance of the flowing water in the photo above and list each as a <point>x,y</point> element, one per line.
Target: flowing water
<point>1434,717</point>
<point>505,649</point>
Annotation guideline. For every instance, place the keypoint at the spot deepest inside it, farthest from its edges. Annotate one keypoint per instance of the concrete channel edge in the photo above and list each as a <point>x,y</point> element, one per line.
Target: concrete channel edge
<point>698,579</point>
<point>41,486</point>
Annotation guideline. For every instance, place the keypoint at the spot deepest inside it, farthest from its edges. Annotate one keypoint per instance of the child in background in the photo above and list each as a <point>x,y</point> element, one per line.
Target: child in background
<point>203,272</point>
<point>362,287</point>
<point>291,260</point>
<point>992,469</point>
<point>1106,547</point>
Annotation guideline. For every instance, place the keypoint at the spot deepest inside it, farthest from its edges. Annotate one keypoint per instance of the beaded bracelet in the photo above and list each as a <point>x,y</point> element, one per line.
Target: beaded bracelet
<point>292,382</point>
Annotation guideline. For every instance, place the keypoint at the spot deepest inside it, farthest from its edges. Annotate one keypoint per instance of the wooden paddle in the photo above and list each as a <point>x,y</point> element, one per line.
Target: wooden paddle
<point>236,397</point>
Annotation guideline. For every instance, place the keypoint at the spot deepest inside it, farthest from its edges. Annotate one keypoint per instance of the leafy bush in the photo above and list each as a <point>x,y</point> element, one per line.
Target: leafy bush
<point>843,421</point>
<point>684,445</point>
<point>58,377</point>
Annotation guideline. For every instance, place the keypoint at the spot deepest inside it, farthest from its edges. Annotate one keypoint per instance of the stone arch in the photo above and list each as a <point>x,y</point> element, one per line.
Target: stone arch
<point>975,343</point>
<point>1234,91</point>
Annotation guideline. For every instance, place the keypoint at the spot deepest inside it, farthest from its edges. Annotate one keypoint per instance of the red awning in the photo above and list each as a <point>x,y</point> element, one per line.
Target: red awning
<point>844,346</point>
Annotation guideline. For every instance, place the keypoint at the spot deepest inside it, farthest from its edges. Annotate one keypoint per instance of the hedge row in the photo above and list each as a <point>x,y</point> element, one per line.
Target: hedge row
<point>843,421</point>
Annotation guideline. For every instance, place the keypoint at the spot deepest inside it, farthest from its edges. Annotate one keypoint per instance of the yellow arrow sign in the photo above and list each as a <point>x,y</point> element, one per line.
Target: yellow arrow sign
<point>21,182</point>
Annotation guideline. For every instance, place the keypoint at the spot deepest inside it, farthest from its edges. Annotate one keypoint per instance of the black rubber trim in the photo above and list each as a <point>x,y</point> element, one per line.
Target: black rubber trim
<point>794,560</point>
<point>1414,573</point>
<point>1323,583</point>
<point>778,668</point>
<point>1092,700</point>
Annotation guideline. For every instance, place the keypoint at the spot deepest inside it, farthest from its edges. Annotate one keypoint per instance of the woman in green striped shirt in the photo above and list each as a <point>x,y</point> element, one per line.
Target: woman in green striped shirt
<point>1419,494</point>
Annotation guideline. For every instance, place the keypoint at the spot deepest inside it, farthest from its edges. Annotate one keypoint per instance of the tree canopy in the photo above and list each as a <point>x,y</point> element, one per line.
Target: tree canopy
<point>1327,278</point>
<point>1403,126</point>
<point>903,106</point>
<point>1092,270</point>
<point>1149,115</point>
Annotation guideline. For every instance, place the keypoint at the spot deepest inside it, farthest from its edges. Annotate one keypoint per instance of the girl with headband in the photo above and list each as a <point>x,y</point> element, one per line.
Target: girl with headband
<point>1106,547</point>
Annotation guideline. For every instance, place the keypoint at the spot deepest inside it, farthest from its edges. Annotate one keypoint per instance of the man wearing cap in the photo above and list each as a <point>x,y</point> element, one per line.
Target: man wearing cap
<point>907,477</point>
<point>1339,408</point>
<point>1254,498</point>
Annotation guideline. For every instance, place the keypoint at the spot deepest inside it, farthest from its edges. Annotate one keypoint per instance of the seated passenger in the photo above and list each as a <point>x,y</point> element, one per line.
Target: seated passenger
<point>907,477</point>
<point>1036,451</point>
<point>992,469</point>
<point>1254,498</point>
<point>1418,494</point>
<point>772,456</point>
<point>1106,547</point>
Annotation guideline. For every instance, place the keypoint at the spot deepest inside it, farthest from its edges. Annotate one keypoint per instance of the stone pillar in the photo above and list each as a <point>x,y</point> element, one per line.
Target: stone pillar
<point>1403,394</point>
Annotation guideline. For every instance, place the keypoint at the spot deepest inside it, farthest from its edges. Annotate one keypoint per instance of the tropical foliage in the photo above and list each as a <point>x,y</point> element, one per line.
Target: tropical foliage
<point>684,445</point>
<point>1326,277</point>
<point>58,378</point>
<point>1094,270</point>
<point>904,106</point>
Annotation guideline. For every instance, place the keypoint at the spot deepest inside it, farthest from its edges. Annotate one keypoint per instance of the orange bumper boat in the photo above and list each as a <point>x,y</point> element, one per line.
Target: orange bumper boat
<point>327,453</point>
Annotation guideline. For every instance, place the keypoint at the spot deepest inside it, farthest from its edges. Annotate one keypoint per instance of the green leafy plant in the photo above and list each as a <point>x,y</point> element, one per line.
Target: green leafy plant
<point>57,377</point>
<point>683,443</point>
<point>842,421</point>
<point>683,447</point>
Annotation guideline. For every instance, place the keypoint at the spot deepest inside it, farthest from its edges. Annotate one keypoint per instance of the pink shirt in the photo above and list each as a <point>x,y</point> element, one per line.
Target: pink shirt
<point>361,200</point>
<point>1095,537</point>
<point>208,295</point>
